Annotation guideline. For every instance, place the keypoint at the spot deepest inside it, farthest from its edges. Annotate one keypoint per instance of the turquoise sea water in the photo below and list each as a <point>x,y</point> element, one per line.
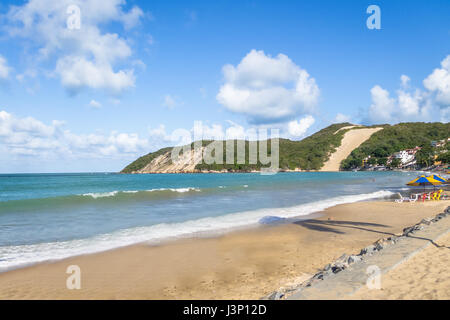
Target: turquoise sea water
<point>53,216</point>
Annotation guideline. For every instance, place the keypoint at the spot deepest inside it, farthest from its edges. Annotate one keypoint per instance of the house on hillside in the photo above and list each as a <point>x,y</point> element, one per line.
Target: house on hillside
<point>440,143</point>
<point>404,156</point>
<point>407,156</point>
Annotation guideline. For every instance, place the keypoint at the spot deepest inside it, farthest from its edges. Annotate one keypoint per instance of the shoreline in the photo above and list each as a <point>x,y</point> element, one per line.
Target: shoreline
<point>207,227</point>
<point>242,264</point>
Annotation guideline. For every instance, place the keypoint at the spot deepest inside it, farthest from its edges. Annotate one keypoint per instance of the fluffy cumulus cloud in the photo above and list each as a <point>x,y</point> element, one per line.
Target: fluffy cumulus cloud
<point>268,89</point>
<point>409,104</point>
<point>4,68</point>
<point>438,82</point>
<point>299,128</point>
<point>84,57</point>
<point>382,106</point>
<point>28,136</point>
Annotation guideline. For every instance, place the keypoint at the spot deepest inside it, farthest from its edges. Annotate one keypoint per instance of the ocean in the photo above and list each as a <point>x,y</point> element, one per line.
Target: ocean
<point>54,216</point>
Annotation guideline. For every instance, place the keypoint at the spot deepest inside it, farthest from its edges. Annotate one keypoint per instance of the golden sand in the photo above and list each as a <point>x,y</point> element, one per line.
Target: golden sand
<point>352,139</point>
<point>425,276</point>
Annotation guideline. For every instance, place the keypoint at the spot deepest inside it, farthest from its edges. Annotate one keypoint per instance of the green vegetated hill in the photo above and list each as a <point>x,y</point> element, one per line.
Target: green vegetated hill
<point>141,162</point>
<point>307,154</point>
<point>399,137</point>
<point>312,152</point>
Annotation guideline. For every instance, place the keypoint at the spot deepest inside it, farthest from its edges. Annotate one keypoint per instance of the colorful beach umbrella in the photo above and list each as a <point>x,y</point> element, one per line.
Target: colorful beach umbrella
<point>438,178</point>
<point>424,181</point>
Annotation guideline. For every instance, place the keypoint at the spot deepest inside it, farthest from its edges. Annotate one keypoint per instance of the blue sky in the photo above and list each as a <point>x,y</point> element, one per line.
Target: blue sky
<point>94,98</point>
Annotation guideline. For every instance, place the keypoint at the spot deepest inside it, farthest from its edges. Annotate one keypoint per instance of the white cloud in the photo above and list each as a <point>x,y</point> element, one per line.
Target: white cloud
<point>95,104</point>
<point>77,73</point>
<point>382,105</point>
<point>28,136</point>
<point>414,104</point>
<point>404,79</point>
<point>85,57</point>
<point>299,128</point>
<point>24,137</point>
<point>438,82</point>
<point>340,118</point>
<point>409,104</point>
<point>4,68</point>
<point>267,89</point>
<point>132,18</point>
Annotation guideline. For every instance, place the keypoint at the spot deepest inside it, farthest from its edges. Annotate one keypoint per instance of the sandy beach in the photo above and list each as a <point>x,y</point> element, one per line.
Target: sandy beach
<point>246,264</point>
<point>424,276</point>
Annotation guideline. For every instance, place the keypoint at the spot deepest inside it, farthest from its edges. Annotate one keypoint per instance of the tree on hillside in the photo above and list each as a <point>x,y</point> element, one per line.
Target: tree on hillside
<point>395,163</point>
<point>444,157</point>
<point>425,156</point>
<point>373,161</point>
<point>382,161</point>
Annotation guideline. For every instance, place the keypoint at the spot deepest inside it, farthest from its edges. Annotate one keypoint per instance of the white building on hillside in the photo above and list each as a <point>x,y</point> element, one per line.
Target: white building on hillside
<point>404,156</point>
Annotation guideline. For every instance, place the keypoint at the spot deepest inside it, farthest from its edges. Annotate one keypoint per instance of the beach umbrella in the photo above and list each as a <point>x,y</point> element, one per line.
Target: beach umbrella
<point>424,181</point>
<point>438,178</point>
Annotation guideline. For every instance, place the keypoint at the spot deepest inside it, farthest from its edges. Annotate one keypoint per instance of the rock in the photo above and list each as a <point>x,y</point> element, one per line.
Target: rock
<point>368,250</point>
<point>426,221</point>
<point>327,267</point>
<point>408,230</point>
<point>379,246</point>
<point>338,267</point>
<point>342,258</point>
<point>319,276</point>
<point>275,296</point>
<point>353,259</point>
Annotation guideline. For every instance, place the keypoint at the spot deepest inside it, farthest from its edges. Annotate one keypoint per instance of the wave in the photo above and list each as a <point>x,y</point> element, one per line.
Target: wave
<point>96,198</point>
<point>19,256</point>
<point>115,193</point>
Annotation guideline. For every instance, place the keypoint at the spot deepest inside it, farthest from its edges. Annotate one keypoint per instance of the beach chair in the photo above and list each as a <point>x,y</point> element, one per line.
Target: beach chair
<point>412,198</point>
<point>426,196</point>
<point>437,195</point>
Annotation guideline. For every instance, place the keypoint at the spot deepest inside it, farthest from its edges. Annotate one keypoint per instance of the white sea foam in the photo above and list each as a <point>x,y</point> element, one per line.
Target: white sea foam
<point>19,256</point>
<point>180,190</point>
<point>101,195</point>
<point>114,193</point>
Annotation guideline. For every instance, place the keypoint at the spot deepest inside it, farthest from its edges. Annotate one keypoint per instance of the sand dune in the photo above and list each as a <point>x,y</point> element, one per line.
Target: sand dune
<point>352,140</point>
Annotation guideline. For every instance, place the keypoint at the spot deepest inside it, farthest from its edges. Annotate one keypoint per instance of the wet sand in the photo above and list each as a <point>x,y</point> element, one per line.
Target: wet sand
<point>246,264</point>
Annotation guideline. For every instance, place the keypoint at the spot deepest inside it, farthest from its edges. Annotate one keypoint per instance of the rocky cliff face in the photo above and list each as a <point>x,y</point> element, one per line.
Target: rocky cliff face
<point>185,163</point>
